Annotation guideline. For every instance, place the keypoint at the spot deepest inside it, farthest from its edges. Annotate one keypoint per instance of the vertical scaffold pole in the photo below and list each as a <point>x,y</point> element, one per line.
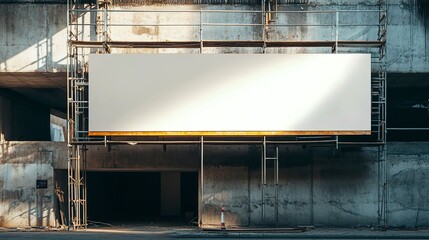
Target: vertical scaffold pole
<point>201,182</point>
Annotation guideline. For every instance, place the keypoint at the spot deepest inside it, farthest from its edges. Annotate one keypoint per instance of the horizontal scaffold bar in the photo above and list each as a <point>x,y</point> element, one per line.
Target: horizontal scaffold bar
<point>197,44</point>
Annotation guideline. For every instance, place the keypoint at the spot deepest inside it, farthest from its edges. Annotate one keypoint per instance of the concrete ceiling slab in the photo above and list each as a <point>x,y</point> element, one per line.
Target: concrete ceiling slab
<point>45,88</point>
<point>33,80</point>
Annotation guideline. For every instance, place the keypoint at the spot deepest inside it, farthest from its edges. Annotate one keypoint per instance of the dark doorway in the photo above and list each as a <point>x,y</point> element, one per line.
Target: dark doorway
<point>189,195</point>
<point>123,196</point>
<point>142,197</point>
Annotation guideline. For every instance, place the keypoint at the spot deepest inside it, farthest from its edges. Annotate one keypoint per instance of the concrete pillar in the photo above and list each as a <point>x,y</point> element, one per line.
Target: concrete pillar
<point>5,119</point>
<point>170,194</point>
<point>1,120</point>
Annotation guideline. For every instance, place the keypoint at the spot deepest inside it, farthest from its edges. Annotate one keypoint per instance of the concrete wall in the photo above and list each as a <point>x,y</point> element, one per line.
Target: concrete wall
<point>408,38</point>
<point>408,184</point>
<point>323,187</point>
<point>21,164</point>
<point>40,44</point>
<point>141,157</point>
<point>319,186</point>
<point>33,37</point>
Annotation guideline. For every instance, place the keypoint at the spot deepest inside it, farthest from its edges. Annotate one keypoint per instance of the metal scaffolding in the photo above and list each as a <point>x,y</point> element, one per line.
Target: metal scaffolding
<point>91,28</point>
<point>270,188</point>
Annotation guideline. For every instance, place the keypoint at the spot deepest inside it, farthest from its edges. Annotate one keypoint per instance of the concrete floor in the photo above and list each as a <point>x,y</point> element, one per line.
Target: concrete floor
<point>155,232</point>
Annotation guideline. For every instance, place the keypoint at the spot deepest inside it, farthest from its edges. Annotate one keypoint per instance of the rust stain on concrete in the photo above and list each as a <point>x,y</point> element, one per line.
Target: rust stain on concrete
<point>141,30</point>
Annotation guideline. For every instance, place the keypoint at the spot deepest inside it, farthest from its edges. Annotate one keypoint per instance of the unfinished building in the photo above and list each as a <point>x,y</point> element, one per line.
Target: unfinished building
<point>329,178</point>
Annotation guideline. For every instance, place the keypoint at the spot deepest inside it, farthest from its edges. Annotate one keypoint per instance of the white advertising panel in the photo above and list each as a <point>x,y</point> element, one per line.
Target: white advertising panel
<point>222,94</point>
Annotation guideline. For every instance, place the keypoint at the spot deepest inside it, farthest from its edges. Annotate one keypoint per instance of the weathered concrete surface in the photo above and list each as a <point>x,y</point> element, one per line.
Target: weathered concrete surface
<point>40,44</point>
<point>408,180</point>
<point>317,185</point>
<point>33,37</point>
<point>345,187</point>
<point>142,157</point>
<point>233,194</point>
<point>408,38</point>
<point>21,164</point>
<point>325,188</point>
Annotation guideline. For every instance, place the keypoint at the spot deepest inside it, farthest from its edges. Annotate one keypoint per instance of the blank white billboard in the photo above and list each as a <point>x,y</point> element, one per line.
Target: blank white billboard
<point>240,94</point>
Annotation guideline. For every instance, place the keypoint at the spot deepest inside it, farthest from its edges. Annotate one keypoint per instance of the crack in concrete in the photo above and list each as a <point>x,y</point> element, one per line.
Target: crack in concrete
<point>340,207</point>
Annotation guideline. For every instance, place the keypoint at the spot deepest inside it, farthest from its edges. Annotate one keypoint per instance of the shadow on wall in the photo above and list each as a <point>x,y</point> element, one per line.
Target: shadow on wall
<point>26,207</point>
<point>422,9</point>
<point>36,45</point>
<point>61,196</point>
<point>317,186</point>
<point>26,184</point>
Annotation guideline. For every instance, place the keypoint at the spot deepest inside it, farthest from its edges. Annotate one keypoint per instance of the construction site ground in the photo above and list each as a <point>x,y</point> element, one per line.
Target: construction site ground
<point>155,231</point>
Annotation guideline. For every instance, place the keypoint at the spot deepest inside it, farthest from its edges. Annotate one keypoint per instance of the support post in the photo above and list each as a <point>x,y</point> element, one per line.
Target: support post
<point>263,172</point>
<point>201,182</point>
<point>263,21</point>
<point>201,30</point>
<point>69,184</point>
<point>382,186</point>
<point>276,166</point>
<point>337,21</point>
